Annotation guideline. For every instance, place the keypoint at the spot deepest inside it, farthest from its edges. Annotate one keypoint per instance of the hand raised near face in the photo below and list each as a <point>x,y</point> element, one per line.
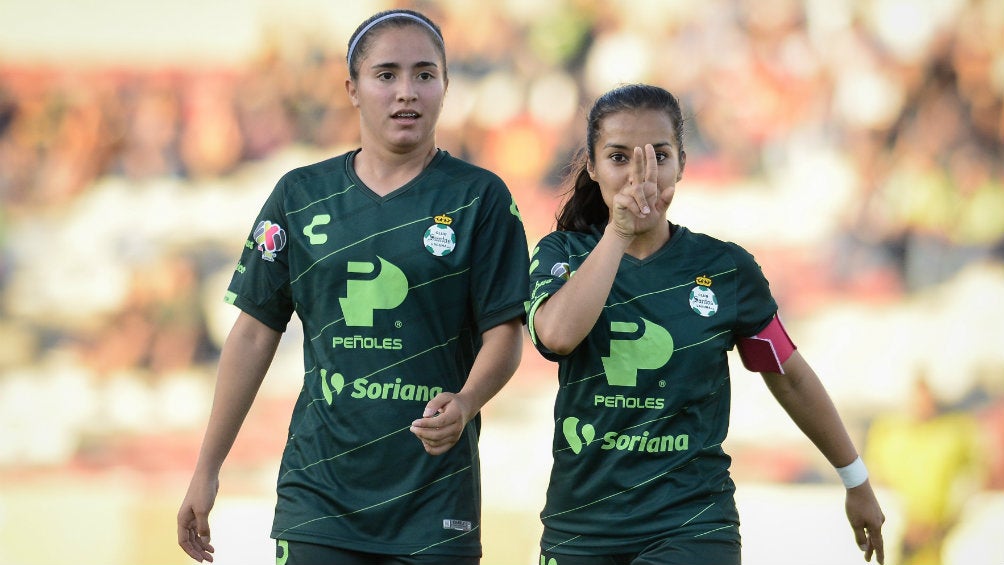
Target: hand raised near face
<point>640,205</point>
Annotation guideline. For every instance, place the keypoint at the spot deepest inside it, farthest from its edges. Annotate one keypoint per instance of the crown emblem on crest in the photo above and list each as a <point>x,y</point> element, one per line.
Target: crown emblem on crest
<point>703,281</point>
<point>443,219</point>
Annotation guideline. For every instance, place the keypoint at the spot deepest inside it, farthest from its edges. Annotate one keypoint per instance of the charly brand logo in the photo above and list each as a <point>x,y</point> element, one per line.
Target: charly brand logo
<point>580,436</point>
<point>269,238</point>
<point>384,291</point>
<point>650,350</point>
<point>317,238</point>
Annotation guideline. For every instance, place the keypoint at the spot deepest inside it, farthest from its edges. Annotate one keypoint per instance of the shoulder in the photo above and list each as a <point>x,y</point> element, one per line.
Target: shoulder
<point>322,169</point>
<point>593,235</point>
<point>459,170</point>
<point>709,245</point>
<point>705,240</point>
<point>571,240</point>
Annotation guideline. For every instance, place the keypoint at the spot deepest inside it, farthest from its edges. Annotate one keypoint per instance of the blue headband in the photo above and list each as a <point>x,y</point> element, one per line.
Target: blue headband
<point>369,26</point>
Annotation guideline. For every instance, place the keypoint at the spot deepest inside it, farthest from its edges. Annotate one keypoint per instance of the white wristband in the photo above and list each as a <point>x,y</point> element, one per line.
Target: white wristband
<point>854,474</point>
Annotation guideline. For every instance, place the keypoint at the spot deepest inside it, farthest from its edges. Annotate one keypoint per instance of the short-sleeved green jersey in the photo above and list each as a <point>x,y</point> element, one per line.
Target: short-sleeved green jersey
<point>643,402</point>
<point>393,294</point>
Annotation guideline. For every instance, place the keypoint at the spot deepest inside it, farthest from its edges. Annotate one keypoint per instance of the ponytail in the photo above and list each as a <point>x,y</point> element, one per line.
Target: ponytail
<point>584,206</point>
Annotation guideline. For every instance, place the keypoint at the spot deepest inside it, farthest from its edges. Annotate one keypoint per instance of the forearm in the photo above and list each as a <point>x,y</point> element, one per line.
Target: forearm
<point>244,360</point>
<point>567,317</point>
<point>802,395</point>
<point>495,364</point>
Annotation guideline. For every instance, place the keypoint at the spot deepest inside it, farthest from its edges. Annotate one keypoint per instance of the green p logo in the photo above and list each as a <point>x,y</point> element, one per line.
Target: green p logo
<point>385,291</point>
<point>651,350</point>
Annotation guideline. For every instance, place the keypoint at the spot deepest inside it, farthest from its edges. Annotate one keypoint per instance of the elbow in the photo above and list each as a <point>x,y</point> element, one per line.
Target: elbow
<point>796,377</point>
<point>557,342</point>
<point>554,331</point>
<point>780,385</point>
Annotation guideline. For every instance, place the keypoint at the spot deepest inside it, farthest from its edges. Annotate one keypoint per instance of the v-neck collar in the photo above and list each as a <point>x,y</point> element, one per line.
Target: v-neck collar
<point>351,172</point>
<point>674,236</point>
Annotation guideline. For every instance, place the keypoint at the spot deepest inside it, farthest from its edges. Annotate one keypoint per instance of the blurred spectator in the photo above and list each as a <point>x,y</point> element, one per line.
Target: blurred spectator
<point>908,118</point>
<point>931,459</point>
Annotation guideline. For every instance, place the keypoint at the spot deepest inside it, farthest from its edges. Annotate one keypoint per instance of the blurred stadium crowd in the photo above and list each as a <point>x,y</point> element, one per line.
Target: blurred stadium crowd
<point>854,146</point>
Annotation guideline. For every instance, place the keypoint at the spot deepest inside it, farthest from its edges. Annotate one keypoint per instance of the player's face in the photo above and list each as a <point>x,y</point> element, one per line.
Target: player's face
<point>619,134</point>
<point>400,89</point>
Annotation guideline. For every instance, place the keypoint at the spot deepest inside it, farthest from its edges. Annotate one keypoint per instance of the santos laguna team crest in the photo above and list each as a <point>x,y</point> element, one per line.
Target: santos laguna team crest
<point>440,239</point>
<point>703,299</point>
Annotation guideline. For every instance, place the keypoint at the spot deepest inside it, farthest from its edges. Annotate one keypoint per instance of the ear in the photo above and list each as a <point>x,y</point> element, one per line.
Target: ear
<point>350,88</point>
<point>589,169</point>
<point>683,164</point>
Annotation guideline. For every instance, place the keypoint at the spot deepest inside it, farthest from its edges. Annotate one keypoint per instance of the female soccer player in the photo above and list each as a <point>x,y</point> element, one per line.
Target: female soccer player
<point>640,314</point>
<point>408,269</point>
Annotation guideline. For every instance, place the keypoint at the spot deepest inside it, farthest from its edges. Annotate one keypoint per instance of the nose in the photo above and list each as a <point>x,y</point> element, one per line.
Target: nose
<point>406,90</point>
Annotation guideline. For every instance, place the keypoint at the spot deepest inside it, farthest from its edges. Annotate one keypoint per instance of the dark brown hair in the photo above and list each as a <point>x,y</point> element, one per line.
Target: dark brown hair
<point>359,42</point>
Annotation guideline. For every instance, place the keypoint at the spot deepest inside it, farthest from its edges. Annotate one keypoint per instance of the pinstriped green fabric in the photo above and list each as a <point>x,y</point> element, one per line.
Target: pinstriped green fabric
<point>391,312</point>
<point>643,403</point>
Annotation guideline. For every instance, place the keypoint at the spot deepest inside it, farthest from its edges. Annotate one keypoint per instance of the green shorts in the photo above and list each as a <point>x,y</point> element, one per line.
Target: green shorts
<point>670,551</point>
<point>301,553</point>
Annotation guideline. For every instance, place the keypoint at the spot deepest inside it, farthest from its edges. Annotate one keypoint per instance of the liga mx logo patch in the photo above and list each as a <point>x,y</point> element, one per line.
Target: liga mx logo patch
<point>270,239</point>
<point>562,270</point>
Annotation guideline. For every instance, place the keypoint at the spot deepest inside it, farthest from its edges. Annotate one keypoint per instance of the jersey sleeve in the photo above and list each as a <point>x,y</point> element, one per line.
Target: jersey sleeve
<point>549,270</point>
<point>754,302</point>
<point>499,260</point>
<point>260,285</point>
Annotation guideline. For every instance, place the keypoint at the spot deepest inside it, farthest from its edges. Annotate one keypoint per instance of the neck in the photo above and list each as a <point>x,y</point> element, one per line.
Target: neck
<point>385,171</point>
<point>647,243</point>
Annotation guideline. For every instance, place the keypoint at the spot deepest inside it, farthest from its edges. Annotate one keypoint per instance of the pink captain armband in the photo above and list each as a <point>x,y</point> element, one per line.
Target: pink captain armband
<point>768,350</point>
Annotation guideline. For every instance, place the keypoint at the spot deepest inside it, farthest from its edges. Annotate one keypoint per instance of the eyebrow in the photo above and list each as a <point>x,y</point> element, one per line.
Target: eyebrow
<point>659,145</point>
<point>419,64</point>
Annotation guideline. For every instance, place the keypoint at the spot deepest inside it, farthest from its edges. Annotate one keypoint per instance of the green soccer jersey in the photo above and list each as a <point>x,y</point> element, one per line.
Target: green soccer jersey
<point>643,402</point>
<point>393,294</point>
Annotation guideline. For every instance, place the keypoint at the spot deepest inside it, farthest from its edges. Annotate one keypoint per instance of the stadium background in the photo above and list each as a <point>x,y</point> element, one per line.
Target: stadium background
<point>854,146</point>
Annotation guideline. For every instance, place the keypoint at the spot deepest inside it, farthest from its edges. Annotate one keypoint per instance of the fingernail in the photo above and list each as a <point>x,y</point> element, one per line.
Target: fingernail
<point>646,210</point>
<point>863,547</point>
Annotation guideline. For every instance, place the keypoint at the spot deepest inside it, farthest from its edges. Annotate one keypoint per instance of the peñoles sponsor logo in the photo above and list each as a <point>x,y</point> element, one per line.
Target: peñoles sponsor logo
<point>364,342</point>
<point>621,401</point>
